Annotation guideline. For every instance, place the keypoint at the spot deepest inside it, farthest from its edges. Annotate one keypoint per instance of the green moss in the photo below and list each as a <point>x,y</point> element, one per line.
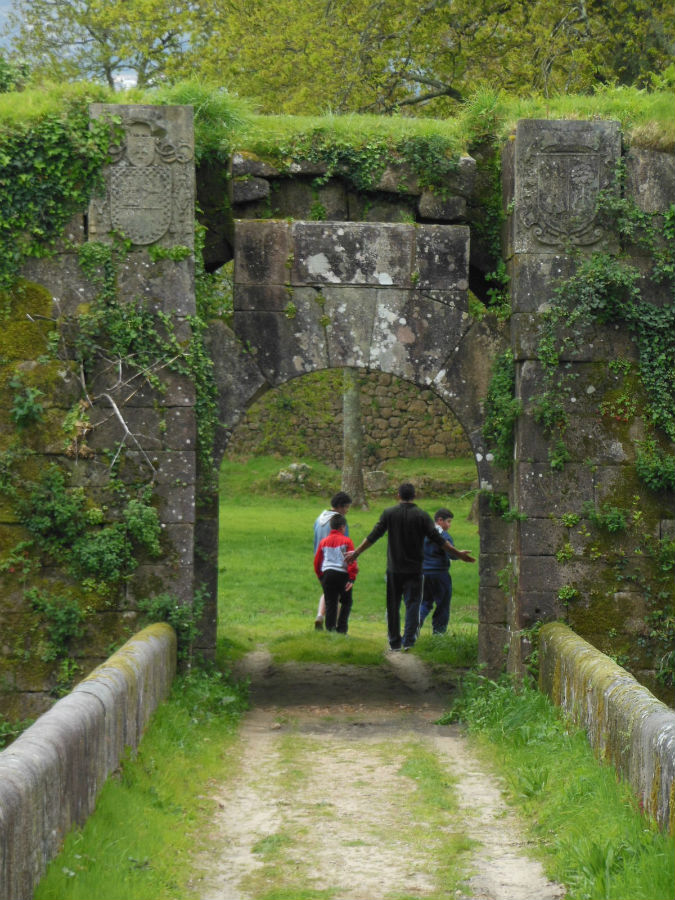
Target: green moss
<point>26,298</point>
<point>23,339</point>
<point>599,616</point>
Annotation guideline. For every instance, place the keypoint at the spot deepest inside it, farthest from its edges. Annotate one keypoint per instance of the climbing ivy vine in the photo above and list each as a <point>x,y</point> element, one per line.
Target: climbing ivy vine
<point>48,171</point>
<point>606,290</point>
<point>502,409</point>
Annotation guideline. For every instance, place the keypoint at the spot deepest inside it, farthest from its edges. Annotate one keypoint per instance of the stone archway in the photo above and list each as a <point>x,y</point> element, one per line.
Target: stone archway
<point>381,297</point>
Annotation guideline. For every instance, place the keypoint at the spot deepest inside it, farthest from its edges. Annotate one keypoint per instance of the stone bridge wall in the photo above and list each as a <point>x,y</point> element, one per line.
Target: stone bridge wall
<point>626,725</point>
<point>52,774</point>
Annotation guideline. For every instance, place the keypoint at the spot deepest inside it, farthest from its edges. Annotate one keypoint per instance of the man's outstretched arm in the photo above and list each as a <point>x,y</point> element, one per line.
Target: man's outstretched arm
<point>454,553</point>
<point>352,554</point>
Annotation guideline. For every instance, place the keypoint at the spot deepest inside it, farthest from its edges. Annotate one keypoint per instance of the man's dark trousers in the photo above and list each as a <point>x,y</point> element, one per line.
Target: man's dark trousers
<point>408,587</point>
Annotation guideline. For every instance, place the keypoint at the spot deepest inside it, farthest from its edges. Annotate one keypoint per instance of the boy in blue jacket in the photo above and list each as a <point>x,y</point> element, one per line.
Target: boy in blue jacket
<point>437,581</point>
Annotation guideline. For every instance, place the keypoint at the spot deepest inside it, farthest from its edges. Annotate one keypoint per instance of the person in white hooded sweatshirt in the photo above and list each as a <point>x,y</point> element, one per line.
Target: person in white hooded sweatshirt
<point>339,503</point>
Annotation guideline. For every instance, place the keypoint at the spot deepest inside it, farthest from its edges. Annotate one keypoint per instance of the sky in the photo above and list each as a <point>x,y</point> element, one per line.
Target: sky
<point>5,7</point>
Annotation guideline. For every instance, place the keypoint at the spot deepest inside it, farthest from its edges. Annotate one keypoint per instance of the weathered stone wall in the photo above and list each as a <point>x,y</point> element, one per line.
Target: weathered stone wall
<point>304,416</point>
<point>51,775</point>
<point>110,431</point>
<point>626,725</point>
<point>554,172</point>
<point>379,295</point>
<point>255,189</point>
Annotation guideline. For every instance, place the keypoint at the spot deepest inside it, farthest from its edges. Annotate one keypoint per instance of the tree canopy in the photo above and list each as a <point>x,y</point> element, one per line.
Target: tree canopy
<point>98,39</point>
<point>313,56</point>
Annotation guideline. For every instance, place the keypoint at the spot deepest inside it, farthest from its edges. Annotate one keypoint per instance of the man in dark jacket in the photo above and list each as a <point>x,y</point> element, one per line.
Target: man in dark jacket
<point>406,526</point>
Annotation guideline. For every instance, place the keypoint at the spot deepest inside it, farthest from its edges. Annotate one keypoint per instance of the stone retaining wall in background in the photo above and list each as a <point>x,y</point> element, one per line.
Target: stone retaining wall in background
<point>304,417</point>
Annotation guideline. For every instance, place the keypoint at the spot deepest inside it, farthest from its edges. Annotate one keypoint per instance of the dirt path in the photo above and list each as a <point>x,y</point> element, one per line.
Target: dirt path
<point>323,803</point>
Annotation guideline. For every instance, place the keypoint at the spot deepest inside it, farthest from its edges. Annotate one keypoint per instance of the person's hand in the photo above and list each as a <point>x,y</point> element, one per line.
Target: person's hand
<point>465,556</point>
<point>349,586</point>
<point>350,556</point>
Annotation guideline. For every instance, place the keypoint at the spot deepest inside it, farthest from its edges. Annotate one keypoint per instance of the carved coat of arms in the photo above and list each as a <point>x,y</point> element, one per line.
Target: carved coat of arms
<point>148,191</point>
<point>560,189</point>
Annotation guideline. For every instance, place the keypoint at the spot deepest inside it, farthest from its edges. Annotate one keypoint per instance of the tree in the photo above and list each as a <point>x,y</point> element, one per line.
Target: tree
<point>384,55</point>
<point>352,431</point>
<point>99,39</point>
<point>12,76</point>
<point>314,56</point>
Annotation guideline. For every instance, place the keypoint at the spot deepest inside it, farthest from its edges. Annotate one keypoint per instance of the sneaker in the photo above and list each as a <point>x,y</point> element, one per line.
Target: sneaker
<point>318,623</point>
<point>406,647</point>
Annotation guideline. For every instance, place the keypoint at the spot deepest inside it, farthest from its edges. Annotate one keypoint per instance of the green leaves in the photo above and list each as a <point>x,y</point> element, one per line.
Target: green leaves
<point>48,170</point>
<point>502,409</point>
<point>26,407</point>
<point>655,467</point>
<point>66,530</point>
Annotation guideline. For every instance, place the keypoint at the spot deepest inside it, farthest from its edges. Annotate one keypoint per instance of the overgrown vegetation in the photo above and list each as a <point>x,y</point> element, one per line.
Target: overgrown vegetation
<point>50,162</point>
<point>10,730</point>
<point>502,409</point>
<point>588,830</point>
<point>184,618</point>
<point>607,290</point>
<point>347,57</point>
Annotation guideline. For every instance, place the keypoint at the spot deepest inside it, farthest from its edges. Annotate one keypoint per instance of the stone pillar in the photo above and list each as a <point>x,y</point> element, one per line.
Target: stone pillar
<point>148,198</point>
<point>553,177</point>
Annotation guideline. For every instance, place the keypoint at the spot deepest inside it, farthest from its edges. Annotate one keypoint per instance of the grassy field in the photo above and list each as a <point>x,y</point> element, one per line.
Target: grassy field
<point>268,592</point>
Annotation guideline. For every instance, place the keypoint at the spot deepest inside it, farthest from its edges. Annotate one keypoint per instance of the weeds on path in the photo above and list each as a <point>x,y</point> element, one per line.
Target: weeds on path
<point>590,832</point>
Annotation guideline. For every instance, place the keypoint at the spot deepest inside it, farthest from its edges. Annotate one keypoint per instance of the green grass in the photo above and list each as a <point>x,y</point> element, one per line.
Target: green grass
<point>268,592</point>
<point>584,821</point>
<point>151,815</point>
<point>647,119</point>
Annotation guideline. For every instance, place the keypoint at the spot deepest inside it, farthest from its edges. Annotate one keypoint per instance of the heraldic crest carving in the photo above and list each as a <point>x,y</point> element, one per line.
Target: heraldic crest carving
<point>149,186</point>
<point>561,177</point>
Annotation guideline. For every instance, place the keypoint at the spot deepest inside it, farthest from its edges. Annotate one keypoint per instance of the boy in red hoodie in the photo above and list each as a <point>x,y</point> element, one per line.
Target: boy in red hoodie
<point>335,575</point>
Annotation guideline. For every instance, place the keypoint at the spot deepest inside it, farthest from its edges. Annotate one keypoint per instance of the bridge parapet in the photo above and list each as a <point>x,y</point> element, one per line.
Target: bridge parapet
<point>625,723</point>
<point>51,775</point>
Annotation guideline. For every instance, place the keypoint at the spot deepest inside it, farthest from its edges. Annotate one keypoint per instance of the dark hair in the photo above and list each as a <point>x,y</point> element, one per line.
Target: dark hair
<point>443,513</point>
<point>341,499</point>
<point>406,491</point>
<point>337,521</point>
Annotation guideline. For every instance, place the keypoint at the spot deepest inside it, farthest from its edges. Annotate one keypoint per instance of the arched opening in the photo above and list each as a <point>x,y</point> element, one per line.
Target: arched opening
<point>311,296</point>
<point>279,471</point>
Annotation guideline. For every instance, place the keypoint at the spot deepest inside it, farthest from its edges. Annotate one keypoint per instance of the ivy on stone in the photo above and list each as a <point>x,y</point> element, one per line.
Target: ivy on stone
<point>502,409</point>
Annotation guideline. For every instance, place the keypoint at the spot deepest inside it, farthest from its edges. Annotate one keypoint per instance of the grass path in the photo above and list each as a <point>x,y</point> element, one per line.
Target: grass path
<point>345,788</point>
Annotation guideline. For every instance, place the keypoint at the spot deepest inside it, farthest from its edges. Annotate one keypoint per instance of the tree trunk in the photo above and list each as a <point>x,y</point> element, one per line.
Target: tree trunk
<point>352,462</point>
